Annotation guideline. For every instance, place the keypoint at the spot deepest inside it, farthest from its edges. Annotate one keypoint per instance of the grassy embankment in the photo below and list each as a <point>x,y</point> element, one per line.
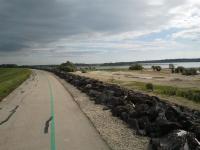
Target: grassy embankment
<point>11,78</point>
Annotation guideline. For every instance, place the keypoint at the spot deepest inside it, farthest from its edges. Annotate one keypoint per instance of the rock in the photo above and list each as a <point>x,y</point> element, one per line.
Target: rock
<point>133,123</point>
<point>106,96</point>
<point>196,130</point>
<point>165,126</point>
<point>172,114</point>
<point>97,100</point>
<point>115,101</point>
<point>124,116</point>
<point>152,113</point>
<point>106,108</point>
<point>88,86</point>
<point>94,93</point>
<point>142,109</point>
<point>176,140</point>
<point>143,123</point>
<point>116,111</point>
<point>133,114</point>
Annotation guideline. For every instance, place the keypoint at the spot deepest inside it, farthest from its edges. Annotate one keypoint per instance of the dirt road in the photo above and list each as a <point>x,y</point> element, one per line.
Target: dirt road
<point>41,115</point>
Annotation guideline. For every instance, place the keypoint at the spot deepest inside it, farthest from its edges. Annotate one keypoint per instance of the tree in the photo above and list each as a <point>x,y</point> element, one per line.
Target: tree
<point>8,66</point>
<point>67,67</point>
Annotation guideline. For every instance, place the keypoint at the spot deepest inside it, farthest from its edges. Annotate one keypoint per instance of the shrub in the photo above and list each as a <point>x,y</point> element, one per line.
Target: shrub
<point>68,67</point>
<point>179,69</point>
<point>149,86</point>
<point>190,71</point>
<point>136,67</point>
<point>156,68</point>
<point>83,70</point>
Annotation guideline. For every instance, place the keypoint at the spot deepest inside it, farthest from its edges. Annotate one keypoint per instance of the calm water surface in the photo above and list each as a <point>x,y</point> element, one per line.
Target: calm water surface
<point>163,65</point>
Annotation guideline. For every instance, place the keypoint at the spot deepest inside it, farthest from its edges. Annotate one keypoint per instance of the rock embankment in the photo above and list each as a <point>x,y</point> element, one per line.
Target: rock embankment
<point>170,126</point>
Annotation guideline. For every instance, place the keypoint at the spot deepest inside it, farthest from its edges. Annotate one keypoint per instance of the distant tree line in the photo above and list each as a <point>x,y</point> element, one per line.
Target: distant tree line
<point>8,66</point>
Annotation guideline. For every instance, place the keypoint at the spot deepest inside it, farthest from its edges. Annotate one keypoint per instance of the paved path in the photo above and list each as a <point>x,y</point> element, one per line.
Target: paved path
<point>41,115</point>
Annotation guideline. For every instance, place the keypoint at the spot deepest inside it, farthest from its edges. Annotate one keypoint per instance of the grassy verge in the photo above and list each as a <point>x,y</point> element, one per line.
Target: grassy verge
<point>187,93</point>
<point>190,94</point>
<point>11,78</point>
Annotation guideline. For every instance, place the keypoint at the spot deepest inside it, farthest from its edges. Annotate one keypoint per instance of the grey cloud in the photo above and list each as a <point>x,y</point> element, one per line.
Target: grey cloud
<point>25,23</point>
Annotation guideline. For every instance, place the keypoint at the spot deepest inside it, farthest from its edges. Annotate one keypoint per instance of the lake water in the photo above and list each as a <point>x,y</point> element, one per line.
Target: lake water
<point>163,65</point>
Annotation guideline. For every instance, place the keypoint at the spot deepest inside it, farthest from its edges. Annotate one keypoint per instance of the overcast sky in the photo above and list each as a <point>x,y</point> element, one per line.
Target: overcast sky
<point>96,31</point>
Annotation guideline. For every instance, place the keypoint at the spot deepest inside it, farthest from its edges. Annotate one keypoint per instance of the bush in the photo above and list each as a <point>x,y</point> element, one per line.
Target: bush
<point>149,86</point>
<point>179,69</point>
<point>136,67</point>
<point>156,68</point>
<point>68,67</point>
<point>83,70</point>
<point>190,71</point>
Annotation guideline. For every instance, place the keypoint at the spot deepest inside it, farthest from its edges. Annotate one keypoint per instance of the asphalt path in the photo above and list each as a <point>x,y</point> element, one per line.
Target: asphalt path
<point>42,115</point>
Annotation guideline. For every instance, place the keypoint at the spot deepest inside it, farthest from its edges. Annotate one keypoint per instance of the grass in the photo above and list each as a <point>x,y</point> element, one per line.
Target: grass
<point>11,78</point>
<point>187,93</point>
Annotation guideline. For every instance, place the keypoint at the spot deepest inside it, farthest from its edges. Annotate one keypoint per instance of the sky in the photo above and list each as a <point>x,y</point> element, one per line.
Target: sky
<point>34,32</point>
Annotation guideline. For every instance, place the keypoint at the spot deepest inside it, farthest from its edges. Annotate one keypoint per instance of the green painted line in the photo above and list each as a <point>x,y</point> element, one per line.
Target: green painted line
<point>53,140</point>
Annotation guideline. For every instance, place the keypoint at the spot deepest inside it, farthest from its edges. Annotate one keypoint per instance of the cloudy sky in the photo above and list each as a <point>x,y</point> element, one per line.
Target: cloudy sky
<point>96,31</point>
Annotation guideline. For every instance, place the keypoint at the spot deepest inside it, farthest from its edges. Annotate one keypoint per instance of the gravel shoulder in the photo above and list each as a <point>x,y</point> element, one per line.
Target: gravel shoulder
<point>113,130</point>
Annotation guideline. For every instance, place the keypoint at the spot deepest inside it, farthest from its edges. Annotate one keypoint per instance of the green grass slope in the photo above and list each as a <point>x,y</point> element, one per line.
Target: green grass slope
<point>11,78</point>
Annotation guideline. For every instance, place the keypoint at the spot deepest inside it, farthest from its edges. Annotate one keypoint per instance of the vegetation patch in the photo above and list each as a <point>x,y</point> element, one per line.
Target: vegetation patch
<point>11,78</point>
<point>156,68</point>
<point>136,67</point>
<point>149,86</point>
<point>190,71</point>
<point>190,94</point>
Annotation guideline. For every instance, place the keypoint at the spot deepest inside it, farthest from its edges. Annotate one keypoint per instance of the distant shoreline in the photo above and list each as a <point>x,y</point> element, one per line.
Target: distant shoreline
<point>147,61</point>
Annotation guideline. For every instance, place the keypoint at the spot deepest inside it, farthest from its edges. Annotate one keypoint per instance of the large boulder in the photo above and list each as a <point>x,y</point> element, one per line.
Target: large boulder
<point>176,140</point>
<point>115,101</point>
<point>94,93</point>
